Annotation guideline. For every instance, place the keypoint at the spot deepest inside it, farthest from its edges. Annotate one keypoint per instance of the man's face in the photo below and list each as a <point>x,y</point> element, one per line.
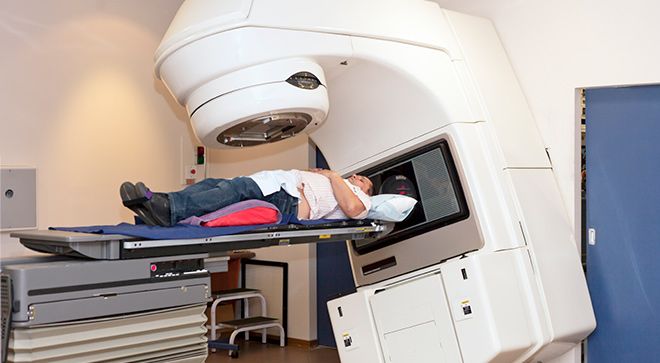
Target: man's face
<point>362,182</point>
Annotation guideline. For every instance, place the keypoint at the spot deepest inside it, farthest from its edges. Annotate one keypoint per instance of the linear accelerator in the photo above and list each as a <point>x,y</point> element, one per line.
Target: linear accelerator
<point>422,100</point>
<point>425,102</point>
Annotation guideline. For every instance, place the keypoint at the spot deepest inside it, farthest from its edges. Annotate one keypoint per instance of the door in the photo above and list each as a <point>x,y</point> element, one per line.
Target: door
<point>623,215</point>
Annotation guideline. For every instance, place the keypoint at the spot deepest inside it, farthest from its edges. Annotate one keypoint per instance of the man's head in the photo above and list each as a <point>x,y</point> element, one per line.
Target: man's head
<point>363,183</point>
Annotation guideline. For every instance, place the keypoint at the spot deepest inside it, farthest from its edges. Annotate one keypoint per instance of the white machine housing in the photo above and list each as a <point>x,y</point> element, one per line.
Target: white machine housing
<point>390,77</point>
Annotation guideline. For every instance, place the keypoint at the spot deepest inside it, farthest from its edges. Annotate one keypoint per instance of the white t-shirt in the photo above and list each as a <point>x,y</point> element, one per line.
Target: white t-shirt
<point>322,203</point>
<point>270,181</point>
<point>316,187</point>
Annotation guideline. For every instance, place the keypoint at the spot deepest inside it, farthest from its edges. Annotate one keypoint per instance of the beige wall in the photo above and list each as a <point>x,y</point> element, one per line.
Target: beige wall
<point>80,104</point>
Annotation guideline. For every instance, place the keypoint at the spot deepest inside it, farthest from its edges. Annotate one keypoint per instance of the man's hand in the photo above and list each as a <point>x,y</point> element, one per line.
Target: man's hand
<point>325,172</point>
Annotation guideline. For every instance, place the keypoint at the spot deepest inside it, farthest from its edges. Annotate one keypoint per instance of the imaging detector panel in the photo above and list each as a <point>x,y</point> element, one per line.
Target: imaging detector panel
<point>443,223</point>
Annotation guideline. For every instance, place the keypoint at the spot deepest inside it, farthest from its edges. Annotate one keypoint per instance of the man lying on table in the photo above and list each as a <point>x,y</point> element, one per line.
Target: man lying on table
<point>314,194</point>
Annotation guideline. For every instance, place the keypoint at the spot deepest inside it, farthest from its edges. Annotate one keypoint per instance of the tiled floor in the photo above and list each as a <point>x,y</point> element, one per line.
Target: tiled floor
<point>255,352</point>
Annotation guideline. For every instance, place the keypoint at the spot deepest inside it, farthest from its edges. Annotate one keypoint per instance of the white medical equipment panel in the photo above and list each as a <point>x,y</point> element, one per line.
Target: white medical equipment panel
<point>354,328</point>
<point>492,305</point>
<point>414,323</point>
<point>557,266</point>
<point>380,90</point>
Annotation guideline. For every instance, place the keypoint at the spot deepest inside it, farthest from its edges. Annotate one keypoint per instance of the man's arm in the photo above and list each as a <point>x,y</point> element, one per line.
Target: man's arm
<point>349,203</point>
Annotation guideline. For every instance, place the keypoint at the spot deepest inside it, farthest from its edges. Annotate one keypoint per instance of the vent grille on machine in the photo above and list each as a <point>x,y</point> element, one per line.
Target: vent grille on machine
<point>168,335</point>
<point>437,192</point>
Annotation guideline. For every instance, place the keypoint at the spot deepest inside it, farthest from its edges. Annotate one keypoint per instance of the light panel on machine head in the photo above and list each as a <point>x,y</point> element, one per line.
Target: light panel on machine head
<point>304,80</point>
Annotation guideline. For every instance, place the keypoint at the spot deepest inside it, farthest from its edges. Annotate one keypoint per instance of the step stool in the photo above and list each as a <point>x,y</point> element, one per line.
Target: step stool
<point>246,324</point>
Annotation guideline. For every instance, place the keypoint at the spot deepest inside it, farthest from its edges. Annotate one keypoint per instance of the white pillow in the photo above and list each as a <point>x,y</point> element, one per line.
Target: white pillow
<point>391,207</point>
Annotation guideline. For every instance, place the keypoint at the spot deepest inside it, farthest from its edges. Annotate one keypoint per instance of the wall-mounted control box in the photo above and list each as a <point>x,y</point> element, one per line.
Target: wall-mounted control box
<point>18,198</point>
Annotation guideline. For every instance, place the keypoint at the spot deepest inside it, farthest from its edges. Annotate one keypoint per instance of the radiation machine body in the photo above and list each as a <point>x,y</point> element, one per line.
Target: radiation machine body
<point>425,102</point>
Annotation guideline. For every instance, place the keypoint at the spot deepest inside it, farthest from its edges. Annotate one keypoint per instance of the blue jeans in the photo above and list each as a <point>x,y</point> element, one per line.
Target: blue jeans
<point>212,194</point>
